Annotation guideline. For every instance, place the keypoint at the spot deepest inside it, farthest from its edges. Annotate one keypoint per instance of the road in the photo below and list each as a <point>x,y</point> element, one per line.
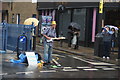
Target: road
<point>72,66</point>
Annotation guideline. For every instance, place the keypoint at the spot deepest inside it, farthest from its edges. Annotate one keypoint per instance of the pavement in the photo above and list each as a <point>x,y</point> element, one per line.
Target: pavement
<point>86,65</point>
<point>72,67</point>
<point>83,51</point>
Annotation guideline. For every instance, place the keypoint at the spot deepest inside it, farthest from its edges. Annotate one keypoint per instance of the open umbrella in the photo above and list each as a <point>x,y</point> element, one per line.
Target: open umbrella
<point>31,21</point>
<point>111,26</point>
<point>75,25</point>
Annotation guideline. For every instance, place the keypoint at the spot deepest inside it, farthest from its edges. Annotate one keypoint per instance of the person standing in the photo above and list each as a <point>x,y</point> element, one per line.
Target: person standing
<point>48,34</point>
<point>107,37</point>
<point>75,39</point>
<point>113,38</point>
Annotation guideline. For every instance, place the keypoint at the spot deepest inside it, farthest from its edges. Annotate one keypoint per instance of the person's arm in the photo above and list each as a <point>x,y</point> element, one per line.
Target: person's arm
<point>103,31</point>
<point>46,37</point>
<point>108,31</point>
<point>45,34</point>
<point>78,33</point>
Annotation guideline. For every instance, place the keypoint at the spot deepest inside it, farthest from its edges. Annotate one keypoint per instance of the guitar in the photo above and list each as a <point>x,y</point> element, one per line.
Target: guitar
<point>51,40</point>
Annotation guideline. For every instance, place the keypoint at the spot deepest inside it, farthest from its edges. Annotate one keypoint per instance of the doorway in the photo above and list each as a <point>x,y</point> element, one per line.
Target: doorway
<point>112,17</point>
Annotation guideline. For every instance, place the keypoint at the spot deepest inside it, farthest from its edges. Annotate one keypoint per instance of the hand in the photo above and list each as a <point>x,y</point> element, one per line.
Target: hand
<point>103,30</point>
<point>107,29</point>
<point>49,38</point>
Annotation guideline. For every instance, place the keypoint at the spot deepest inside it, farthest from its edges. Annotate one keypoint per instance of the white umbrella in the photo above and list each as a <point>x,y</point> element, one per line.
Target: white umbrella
<point>31,21</point>
<point>111,26</point>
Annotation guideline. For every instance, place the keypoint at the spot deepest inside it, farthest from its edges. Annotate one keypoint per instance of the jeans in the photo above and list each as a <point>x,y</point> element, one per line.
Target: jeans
<point>47,53</point>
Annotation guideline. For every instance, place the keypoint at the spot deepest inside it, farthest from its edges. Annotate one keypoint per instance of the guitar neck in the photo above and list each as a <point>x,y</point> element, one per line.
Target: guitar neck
<point>59,38</point>
<point>54,38</point>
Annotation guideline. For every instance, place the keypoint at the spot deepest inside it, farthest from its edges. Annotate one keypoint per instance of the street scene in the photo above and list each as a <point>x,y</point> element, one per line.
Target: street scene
<point>69,66</point>
<point>60,40</point>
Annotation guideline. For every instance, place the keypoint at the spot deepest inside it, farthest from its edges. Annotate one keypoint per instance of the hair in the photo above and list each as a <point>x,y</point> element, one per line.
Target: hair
<point>69,27</point>
<point>112,29</point>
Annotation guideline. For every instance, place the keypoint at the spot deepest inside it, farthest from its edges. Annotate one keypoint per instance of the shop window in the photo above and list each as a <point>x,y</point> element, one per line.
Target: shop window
<point>18,18</point>
<point>34,15</point>
<point>64,21</point>
<point>79,16</point>
<point>13,18</point>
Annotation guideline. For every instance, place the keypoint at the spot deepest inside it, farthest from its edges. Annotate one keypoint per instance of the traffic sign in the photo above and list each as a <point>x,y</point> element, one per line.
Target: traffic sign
<point>101,6</point>
<point>22,39</point>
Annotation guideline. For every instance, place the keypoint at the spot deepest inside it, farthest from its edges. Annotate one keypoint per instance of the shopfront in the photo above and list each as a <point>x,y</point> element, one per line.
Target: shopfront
<point>73,15</point>
<point>73,12</point>
<point>85,14</point>
<point>112,17</point>
<point>112,14</point>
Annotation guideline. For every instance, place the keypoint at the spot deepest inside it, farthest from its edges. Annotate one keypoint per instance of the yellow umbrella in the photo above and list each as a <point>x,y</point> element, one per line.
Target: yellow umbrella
<point>29,21</point>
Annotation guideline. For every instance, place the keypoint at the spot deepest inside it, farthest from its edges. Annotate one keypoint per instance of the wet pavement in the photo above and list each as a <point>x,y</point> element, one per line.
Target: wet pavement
<point>83,66</point>
<point>72,66</point>
<point>84,51</point>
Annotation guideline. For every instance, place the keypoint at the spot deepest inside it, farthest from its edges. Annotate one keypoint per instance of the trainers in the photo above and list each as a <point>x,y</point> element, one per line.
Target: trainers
<point>50,63</point>
<point>45,64</point>
<point>108,57</point>
<point>103,57</point>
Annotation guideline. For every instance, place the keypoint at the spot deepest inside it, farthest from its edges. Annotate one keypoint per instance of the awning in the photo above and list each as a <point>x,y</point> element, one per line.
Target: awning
<point>54,5</point>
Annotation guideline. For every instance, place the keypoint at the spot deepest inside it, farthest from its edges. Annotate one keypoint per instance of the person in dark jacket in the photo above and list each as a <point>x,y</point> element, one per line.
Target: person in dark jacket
<point>107,37</point>
<point>70,35</point>
<point>113,38</point>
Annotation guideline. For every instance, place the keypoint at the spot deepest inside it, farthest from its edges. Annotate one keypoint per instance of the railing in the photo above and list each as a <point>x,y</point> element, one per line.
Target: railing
<point>9,34</point>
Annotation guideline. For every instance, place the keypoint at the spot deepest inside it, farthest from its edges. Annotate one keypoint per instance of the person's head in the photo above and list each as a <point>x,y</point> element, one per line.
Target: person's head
<point>53,24</point>
<point>70,27</point>
<point>113,29</point>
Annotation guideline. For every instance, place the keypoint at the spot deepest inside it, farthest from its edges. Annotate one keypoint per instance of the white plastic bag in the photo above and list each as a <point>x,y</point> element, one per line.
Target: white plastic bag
<point>74,40</point>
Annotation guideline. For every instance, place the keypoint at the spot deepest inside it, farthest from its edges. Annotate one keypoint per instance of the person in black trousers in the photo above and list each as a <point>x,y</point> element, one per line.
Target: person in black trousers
<point>107,37</point>
<point>113,39</point>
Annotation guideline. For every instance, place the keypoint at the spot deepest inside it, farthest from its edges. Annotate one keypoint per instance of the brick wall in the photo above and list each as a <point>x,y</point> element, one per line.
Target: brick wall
<point>25,9</point>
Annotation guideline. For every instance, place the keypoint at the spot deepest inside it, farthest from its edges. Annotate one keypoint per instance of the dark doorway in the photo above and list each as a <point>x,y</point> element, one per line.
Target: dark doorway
<point>112,17</point>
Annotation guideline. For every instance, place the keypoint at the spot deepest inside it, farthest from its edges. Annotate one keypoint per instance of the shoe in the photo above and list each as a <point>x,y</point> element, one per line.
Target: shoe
<point>108,57</point>
<point>45,64</point>
<point>50,63</point>
<point>103,57</point>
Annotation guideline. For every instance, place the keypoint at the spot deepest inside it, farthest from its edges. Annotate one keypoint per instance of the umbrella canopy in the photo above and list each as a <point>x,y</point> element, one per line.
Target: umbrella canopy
<point>75,25</point>
<point>111,26</point>
<point>31,21</point>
